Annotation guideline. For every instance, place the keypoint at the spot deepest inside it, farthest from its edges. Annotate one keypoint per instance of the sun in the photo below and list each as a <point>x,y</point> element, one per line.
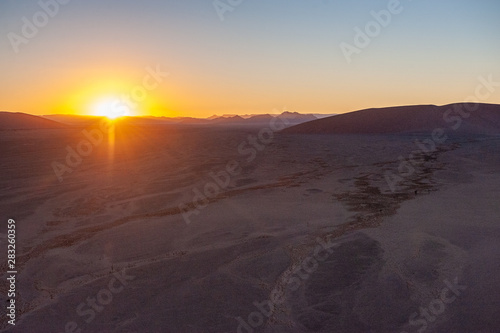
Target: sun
<point>112,108</point>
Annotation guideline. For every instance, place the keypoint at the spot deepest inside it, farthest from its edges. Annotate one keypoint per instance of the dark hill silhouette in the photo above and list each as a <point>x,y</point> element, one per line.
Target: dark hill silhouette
<point>18,120</point>
<point>407,119</point>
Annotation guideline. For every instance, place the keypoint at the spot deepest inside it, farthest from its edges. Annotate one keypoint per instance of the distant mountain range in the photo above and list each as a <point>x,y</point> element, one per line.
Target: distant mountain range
<point>292,118</point>
<point>246,116</point>
<point>485,119</point>
<point>459,118</point>
<point>17,120</point>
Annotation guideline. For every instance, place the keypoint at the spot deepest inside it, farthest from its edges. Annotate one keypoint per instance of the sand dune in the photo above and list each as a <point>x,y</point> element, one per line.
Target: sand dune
<point>407,119</point>
<point>17,120</point>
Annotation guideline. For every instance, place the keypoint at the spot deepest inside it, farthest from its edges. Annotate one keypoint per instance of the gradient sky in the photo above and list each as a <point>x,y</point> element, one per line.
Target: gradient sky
<point>266,55</point>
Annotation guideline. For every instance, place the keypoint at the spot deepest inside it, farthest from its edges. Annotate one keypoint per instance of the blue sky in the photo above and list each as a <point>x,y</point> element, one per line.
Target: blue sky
<point>264,55</point>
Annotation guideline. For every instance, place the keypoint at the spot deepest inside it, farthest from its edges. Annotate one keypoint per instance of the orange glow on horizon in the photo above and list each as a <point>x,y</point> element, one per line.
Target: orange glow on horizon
<point>111,98</point>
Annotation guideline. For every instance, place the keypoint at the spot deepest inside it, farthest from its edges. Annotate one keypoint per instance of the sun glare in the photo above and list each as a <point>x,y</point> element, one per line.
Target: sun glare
<point>111,108</point>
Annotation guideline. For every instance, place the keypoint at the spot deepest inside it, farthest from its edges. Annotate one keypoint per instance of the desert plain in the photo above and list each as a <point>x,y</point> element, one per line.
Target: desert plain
<point>176,228</point>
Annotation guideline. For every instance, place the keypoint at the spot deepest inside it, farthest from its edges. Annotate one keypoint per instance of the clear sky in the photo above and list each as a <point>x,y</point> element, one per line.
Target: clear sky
<point>265,55</point>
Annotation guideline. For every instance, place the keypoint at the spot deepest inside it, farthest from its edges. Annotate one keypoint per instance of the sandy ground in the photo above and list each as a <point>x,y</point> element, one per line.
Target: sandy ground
<point>423,258</point>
